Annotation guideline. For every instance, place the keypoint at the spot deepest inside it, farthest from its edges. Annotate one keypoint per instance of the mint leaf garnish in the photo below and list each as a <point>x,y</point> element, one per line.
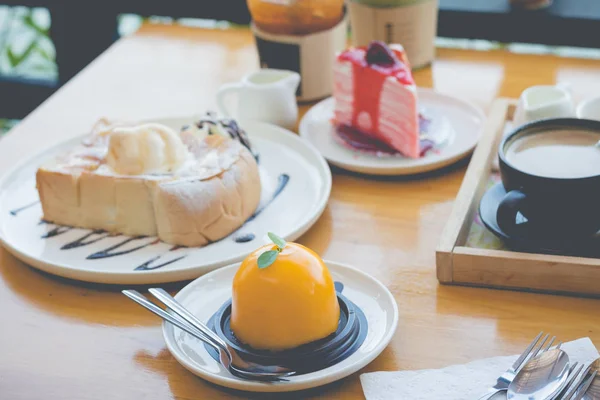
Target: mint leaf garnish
<point>267,258</point>
<point>279,242</point>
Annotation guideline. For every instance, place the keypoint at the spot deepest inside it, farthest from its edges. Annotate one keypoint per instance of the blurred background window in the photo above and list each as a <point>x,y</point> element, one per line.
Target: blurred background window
<point>43,43</point>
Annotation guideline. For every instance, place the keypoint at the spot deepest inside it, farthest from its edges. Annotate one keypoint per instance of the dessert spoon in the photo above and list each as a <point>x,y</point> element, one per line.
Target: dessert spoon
<point>189,323</point>
<point>543,377</point>
<point>538,345</point>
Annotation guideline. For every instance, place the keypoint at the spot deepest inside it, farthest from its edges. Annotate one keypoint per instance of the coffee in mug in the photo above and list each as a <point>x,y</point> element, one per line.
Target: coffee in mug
<point>561,153</point>
<point>551,172</point>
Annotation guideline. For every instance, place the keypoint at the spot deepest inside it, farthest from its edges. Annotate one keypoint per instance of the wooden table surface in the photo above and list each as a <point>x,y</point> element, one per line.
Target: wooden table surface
<point>62,339</point>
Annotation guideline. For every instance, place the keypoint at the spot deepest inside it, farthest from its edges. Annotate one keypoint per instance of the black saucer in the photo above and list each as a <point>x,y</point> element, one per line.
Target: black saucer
<point>314,356</point>
<point>529,241</point>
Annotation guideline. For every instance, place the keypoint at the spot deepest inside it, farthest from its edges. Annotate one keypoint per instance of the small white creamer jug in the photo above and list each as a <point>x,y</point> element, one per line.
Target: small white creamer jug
<point>541,102</point>
<point>267,95</point>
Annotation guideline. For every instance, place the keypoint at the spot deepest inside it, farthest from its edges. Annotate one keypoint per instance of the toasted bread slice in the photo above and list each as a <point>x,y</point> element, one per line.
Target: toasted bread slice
<point>208,198</point>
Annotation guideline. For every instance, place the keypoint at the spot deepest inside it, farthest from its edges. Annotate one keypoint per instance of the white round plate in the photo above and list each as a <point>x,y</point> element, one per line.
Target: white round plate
<point>465,120</point>
<point>205,295</point>
<point>290,214</point>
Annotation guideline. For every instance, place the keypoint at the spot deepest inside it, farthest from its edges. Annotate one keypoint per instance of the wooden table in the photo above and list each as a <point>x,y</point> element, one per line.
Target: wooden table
<point>62,339</point>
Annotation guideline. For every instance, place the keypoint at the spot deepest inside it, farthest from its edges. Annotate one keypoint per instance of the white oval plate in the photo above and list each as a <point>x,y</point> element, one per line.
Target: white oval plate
<point>205,295</point>
<point>465,119</point>
<point>290,214</point>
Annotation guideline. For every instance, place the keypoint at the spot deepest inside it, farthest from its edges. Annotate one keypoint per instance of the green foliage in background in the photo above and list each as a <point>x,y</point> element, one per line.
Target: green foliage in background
<point>6,125</point>
<point>25,46</point>
<point>26,49</point>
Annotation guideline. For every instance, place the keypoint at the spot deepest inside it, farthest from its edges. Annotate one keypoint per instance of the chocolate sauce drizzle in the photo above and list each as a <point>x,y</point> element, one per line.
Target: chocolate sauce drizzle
<point>59,230</point>
<point>230,126</point>
<point>282,182</point>
<point>147,266</point>
<point>18,210</point>
<point>108,252</point>
<point>80,242</point>
<point>245,237</point>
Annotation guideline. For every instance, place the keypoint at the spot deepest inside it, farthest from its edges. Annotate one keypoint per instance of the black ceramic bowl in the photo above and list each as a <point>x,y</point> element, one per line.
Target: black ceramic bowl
<point>314,356</point>
<point>554,207</point>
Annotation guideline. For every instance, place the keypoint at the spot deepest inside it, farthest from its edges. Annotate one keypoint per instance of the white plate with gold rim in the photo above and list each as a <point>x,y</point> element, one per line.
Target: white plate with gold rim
<point>296,183</point>
<point>456,122</point>
<point>204,296</point>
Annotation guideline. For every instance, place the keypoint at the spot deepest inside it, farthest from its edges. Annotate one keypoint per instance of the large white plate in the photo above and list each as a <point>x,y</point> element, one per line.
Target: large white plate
<point>205,295</point>
<point>290,214</point>
<point>465,120</point>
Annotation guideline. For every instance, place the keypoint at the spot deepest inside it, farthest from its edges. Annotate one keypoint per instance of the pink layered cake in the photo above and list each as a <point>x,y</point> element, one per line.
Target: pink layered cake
<point>375,94</point>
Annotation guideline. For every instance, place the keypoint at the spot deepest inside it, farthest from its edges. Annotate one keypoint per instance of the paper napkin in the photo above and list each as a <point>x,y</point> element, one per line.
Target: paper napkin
<point>456,382</point>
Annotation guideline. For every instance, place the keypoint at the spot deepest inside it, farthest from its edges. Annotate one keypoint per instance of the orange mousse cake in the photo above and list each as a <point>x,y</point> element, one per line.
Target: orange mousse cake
<point>283,297</point>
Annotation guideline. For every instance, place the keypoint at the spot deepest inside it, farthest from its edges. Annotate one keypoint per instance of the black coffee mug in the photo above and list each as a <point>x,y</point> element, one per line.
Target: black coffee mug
<point>554,207</point>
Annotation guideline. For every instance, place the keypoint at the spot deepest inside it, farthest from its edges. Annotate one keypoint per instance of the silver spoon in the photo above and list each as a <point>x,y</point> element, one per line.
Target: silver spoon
<point>228,357</point>
<point>164,297</point>
<point>543,377</point>
<point>574,373</point>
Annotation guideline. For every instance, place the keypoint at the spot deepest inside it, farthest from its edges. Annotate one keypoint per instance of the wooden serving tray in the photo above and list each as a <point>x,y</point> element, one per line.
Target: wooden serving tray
<point>467,253</point>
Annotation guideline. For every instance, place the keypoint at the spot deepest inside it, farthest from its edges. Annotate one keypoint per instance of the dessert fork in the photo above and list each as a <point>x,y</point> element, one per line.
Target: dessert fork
<point>192,325</point>
<point>577,388</point>
<point>534,348</point>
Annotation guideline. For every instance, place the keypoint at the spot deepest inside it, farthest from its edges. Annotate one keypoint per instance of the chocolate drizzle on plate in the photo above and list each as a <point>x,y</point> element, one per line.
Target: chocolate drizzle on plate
<point>25,207</point>
<point>80,242</point>
<point>98,235</point>
<point>59,230</point>
<point>244,237</point>
<point>109,252</point>
<point>148,265</point>
<point>282,181</point>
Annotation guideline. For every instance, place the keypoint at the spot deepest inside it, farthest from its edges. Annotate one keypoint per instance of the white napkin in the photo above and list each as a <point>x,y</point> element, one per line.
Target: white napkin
<point>456,382</point>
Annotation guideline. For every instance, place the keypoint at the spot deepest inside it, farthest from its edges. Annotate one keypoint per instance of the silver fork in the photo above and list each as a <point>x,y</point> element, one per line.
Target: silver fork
<point>534,348</point>
<point>574,372</point>
<point>190,324</point>
<point>579,384</point>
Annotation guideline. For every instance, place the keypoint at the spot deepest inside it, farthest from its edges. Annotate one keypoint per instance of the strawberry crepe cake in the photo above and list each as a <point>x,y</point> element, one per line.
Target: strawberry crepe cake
<point>376,100</point>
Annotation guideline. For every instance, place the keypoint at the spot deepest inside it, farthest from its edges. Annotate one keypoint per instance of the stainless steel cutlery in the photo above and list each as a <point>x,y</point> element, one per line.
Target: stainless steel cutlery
<point>541,378</point>
<point>537,346</point>
<point>185,320</point>
<point>542,373</point>
<point>584,385</point>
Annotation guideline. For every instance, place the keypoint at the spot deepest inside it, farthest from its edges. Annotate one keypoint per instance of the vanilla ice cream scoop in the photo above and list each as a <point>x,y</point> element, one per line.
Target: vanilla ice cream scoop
<point>145,149</point>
